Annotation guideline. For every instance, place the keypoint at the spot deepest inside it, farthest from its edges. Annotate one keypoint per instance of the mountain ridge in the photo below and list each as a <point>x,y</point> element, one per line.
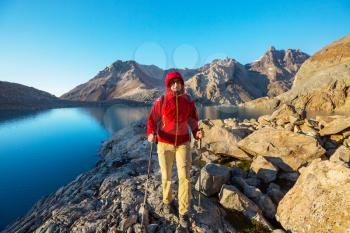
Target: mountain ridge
<point>143,83</point>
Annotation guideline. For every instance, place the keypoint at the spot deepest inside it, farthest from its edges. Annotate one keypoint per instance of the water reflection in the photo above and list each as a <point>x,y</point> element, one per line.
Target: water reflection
<point>118,116</point>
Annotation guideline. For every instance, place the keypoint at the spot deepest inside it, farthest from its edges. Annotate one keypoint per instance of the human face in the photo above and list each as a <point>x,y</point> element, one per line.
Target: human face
<point>175,85</point>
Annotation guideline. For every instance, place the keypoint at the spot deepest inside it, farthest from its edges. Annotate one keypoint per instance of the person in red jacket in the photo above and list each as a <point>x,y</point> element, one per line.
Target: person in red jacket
<point>168,121</point>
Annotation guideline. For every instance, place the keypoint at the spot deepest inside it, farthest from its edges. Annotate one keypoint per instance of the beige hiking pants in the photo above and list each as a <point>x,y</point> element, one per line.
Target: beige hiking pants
<point>182,155</point>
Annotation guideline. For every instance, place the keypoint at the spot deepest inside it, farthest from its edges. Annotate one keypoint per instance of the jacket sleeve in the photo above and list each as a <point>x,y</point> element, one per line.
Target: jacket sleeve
<point>154,117</point>
<point>193,119</point>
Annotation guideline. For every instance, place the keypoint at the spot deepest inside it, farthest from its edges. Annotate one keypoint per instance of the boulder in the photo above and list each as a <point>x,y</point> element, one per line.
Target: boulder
<point>285,149</point>
<point>346,142</point>
<point>323,120</point>
<point>337,138</point>
<point>209,157</point>
<point>290,176</point>
<point>319,200</point>
<point>267,206</point>
<point>221,140</point>
<point>253,180</point>
<point>335,126</point>
<point>252,192</point>
<point>285,114</point>
<point>307,130</point>
<point>209,217</point>
<point>275,193</point>
<point>231,198</point>
<point>236,171</point>
<point>264,120</point>
<point>341,154</point>
<point>264,169</point>
<point>212,177</point>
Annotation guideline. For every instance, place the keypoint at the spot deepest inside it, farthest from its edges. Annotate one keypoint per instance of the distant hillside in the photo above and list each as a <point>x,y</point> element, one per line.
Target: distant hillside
<point>13,95</point>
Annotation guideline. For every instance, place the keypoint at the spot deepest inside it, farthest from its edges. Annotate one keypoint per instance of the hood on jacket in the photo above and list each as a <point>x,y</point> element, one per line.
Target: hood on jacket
<point>174,75</point>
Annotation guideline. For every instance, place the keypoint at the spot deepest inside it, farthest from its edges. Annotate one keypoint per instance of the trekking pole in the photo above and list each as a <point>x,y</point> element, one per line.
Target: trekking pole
<point>146,189</point>
<point>200,177</point>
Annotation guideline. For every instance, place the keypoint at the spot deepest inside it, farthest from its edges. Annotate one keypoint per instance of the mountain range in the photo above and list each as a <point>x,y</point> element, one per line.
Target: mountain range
<point>317,83</point>
<point>223,81</point>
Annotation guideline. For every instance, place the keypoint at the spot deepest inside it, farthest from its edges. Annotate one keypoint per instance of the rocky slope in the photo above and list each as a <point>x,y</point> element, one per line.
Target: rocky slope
<point>258,181</point>
<point>223,81</point>
<point>322,83</point>
<point>123,80</point>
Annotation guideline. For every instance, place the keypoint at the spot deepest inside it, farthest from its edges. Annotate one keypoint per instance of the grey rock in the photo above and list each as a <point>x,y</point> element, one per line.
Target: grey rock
<point>236,171</point>
<point>254,181</point>
<point>238,182</point>
<point>213,176</point>
<point>275,193</point>
<point>264,169</point>
<point>152,228</point>
<point>290,176</point>
<point>252,193</point>
<point>267,206</point>
<point>231,198</point>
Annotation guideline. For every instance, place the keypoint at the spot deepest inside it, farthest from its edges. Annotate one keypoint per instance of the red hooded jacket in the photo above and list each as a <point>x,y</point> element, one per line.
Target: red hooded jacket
<point>178,111</point>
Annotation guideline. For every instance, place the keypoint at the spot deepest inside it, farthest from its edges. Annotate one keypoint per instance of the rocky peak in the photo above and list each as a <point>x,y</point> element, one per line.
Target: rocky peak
<point>121,79</point>
<point>222,81</point>
<point>279,60</point>
<point>278,68</point>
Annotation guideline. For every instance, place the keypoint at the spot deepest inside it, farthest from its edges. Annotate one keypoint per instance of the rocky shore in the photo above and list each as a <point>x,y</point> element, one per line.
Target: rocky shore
<point>280,172</point>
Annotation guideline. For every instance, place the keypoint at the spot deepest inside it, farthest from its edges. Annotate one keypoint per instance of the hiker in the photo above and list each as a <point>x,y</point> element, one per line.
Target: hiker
<point>168,123</point>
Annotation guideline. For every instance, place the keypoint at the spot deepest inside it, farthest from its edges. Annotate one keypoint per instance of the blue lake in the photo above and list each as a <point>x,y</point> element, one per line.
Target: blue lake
<point>43,150</point>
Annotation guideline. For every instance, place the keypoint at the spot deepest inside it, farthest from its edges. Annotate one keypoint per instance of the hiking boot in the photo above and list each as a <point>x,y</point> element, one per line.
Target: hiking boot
<point>169,208</point>
<point>183,220</point>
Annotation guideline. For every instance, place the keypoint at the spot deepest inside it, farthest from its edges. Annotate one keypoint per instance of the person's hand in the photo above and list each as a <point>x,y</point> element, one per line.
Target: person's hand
<point>150,138</point>
<point>200,134</point>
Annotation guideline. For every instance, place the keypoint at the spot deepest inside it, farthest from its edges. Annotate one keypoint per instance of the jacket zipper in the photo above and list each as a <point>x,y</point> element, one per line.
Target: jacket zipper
<point>177,119</point>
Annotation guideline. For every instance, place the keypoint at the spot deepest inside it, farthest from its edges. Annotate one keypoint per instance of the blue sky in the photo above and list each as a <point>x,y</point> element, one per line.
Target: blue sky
<point>56,45</point>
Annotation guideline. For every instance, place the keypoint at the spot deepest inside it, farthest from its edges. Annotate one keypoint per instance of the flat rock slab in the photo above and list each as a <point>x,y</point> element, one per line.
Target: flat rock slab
<point>221,140</point>
<point>335,126</point>
<point>285,149</point>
